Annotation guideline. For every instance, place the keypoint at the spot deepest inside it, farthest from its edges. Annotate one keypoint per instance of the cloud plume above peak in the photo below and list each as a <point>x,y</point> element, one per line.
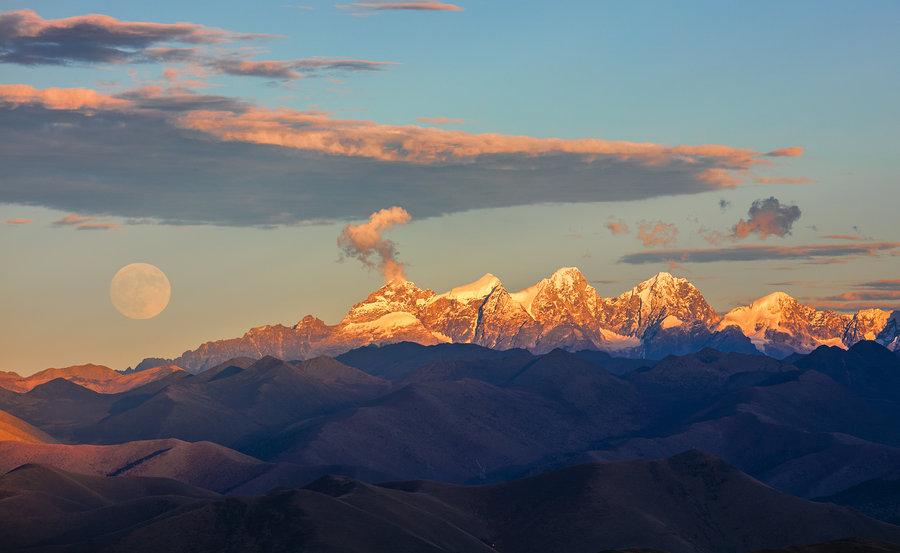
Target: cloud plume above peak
<point>365,242</point>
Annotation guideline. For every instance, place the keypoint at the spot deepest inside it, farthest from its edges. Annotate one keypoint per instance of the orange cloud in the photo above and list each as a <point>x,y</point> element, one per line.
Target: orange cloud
<point>656,234</point>
<point>19,221</point>
<point>313,131</point>
<point>842,237</point>
<point>58,98</point>
<point>97,226</point>
<point>796,151</point>
<point>364,240</point>
<point>73,219</point>
<point>618,227</point>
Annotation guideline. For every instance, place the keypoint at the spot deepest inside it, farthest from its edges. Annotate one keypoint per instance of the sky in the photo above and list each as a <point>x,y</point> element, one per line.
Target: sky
<point>284,159</point>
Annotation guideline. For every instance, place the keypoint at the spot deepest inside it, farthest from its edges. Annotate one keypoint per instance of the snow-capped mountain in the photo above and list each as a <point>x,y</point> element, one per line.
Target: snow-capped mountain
<point>660,316</point>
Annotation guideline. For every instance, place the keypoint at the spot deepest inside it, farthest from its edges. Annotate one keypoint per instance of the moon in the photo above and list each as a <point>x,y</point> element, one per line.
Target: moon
<point>140,291</point>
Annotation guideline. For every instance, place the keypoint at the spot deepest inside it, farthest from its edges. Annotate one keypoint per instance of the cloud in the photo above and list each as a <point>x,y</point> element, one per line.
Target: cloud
<point>19,221</point>
<point>81,222</point>
<point>786,152</point>
<point>364,241</point>
<point>866,296</point>
<point>889,284</point>
<point>767,218</point>
<point>439,120</point>
<point>714,237</point>
<point>724,204</point>
<point>762,253</point>
<point>618,227</point>
<point>58,98</point>
<point>97,226</point>
<point>842,237</point>
<point>656,234</point>
<point>426,5</point>
<point>73,219</point>
<point>28,39</point>
<point>292,69</point>
<point>185,158</point>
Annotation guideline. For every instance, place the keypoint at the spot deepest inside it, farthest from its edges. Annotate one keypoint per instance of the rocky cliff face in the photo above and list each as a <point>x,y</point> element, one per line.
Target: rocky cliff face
<point>663,315</point>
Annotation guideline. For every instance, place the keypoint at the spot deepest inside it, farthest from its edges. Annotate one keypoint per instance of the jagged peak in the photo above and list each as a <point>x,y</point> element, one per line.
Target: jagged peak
<point>478,289</point>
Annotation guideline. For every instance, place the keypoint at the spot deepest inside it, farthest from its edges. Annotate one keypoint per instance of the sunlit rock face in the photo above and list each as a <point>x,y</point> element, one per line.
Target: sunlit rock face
<point>661,316</point>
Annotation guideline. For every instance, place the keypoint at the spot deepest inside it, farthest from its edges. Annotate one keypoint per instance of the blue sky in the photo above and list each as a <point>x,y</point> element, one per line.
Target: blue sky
<point>238,185</point>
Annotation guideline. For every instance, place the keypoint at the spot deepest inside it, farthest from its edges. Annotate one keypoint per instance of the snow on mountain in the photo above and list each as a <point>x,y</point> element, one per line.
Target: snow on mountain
<point>778,325</point>
<point>478,289</point>
<point>660,316</point>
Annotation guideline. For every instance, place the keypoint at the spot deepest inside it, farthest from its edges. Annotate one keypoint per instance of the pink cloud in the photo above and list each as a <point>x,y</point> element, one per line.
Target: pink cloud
<point>842,237</point>
<point>312,131</point>
<point>618,227</point>
<point>97,226</point>
<point>234,120</point>
<point>73,219</point>
<point>656,234</point>
<point>416,6</point>
<point>19,221</point>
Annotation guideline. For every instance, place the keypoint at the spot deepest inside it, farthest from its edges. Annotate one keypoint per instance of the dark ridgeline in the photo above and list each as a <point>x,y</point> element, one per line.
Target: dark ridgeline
<point>821,425</point>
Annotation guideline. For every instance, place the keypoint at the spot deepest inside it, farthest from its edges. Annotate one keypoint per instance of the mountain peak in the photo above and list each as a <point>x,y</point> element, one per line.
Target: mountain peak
<point>773,299</point>
<point>478,289</point>
<point>566,275</point>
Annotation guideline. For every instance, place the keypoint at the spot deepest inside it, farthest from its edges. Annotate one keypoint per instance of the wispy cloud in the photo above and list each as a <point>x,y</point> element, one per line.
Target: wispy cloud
<point>762,253</point>
<point>439,120</point>
<point>656,234</point>
<point>842,237</point>
<point>81,222</point>
<point>796,151</point>
<point>19,221</point>
<point>618,227</point>
<point>97,226</point>
<point>72,219</point>
<point>426,5</point>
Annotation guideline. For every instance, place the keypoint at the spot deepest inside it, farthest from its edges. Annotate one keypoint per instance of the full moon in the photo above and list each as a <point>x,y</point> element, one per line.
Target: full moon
<point>140,291</point>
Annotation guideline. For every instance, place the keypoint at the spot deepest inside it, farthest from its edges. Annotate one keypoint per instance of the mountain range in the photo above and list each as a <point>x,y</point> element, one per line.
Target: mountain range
<point>664,315</point>
<point>689,503</point>
<point>475,448</point>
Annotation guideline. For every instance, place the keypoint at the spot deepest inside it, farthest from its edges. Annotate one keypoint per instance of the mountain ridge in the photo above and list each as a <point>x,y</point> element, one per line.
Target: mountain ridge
<point>660,316</point>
